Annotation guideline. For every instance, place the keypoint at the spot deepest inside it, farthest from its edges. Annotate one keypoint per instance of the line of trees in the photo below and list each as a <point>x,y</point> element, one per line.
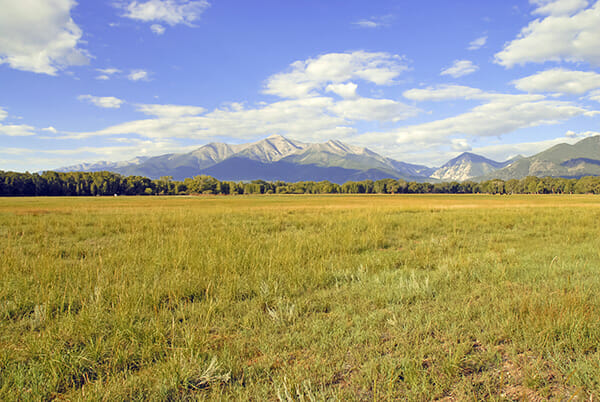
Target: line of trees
<point>107,183</point>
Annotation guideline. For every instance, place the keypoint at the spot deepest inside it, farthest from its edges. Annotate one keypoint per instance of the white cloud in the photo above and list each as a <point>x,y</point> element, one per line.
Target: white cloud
<point>16,130</point>
<point>436,156</point>
<point>307,76</point>
<point>368,109</point>
<point>314,118</point>
<point>107,102</point>
<point>478,43</point>
<point>347,90</point>
<point>138,75</point>
<point>301,119</point>
<point>40,36</point>
<point>500,114</point>
<point>594,95</point>
<point>460,145</point>
<point>157,29</point>
<point>171,12</point>
<point>170,111</point>
<point>460,68</point>
<point>558,36</point>
<point>107,73</point>
<point>560,80</point>
<point>50,129</point>
<point>558,7</point>
<point>367,24</point>
<point>375,22</point>
<point>444,92</point>
<point>583,134</point>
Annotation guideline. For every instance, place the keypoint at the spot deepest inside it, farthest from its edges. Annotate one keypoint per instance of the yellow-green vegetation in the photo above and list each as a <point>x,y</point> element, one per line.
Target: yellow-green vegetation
<point>300,297</point>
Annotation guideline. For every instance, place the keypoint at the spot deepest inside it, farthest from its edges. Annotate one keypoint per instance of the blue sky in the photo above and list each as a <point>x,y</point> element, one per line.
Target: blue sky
<point>419,81</point>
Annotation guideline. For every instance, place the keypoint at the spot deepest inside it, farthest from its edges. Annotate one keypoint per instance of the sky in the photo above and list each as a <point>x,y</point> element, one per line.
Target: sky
<point>420,81</point>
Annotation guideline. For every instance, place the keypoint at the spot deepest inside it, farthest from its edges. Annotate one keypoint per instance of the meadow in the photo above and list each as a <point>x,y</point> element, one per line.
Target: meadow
<point>341,297</point>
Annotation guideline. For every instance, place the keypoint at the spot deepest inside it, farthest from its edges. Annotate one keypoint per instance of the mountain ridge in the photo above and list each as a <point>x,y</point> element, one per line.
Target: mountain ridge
<point>336,161</point>
<point>554,162</point>
<point>466,166</point>
<point>333,159</point>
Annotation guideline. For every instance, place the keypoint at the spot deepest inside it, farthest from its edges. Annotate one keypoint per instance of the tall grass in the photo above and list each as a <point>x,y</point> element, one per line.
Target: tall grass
<point>303,298</point>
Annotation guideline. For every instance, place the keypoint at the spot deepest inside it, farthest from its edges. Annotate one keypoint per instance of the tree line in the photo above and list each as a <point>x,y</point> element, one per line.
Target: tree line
<point>107,183</point>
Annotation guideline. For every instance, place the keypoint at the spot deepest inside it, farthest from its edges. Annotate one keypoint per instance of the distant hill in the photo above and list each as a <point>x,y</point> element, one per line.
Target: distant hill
<point>103,165</point>
<point>466,166</point>
<point>563,160</point>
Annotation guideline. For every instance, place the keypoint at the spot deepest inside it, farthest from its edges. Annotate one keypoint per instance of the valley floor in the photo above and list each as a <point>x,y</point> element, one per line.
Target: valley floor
<point>300,297</point>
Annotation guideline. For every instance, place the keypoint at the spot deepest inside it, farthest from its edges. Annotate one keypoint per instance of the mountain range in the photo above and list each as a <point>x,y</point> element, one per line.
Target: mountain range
<point>279,158</point>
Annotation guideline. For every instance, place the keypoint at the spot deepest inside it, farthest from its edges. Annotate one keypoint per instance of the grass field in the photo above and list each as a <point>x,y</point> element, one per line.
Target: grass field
<point>300,298</point>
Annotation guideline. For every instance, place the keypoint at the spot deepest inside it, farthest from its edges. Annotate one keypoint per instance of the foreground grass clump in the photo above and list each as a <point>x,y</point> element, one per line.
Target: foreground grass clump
<point>308,297</point>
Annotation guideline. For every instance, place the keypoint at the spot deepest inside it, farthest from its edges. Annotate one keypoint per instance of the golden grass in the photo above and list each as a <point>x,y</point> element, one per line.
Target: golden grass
<point>300,297</point>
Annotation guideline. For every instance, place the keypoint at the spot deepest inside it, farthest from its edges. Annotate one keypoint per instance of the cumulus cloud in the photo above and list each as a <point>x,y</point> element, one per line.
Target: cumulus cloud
<point>569,32</point>
<point>560,80</point>
<point>460,68</point>
<point>347,90</point>
<point>3,114</point>
<point>50,47</point>
<point>107,102</point>
<point>305,113</point>
<point>460,145</point>
<point>313,118</point>
<point>502,114</point>
<point>478,43</point>
<point>305,77</point>
<point>499,114</point>
<point>299,118</point>
<point>138,75</point>
<point>170,12</point>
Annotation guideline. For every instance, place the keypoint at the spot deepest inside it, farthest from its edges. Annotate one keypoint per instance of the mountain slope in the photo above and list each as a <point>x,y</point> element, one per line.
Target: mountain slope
<point>279,158</point>
<point>466,166</point>
<point>102,165</point>
<point>563,160</point>
<point>229,162</point>
<point>271,149</point>
<point>245,169</point>
<point>336,153</point>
